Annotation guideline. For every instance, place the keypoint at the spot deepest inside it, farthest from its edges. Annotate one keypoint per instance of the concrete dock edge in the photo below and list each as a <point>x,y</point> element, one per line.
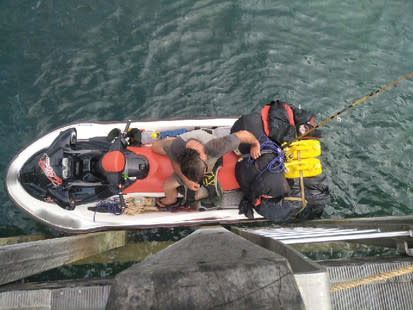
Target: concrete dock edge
<point>211,268</point>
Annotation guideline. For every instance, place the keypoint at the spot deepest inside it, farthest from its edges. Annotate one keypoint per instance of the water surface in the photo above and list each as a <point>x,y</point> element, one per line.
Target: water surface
<point>64,61</point>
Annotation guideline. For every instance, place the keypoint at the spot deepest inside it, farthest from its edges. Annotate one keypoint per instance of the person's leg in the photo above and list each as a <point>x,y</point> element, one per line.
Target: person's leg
<point>201,193</point>
<point>170,189</point>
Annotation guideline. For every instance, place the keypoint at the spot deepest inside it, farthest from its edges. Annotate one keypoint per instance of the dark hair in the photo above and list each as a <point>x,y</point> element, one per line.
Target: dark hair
<point>191,165</point>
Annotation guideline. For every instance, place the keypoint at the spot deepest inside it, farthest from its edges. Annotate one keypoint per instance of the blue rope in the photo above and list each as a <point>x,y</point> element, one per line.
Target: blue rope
<point>111,205</point>
<point>276,165</point>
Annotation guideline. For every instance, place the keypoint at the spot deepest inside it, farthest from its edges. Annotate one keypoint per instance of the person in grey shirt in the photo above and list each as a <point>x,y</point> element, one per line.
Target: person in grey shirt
<point>195,153</point>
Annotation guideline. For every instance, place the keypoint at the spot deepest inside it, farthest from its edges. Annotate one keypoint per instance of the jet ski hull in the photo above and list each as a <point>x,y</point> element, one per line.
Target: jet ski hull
<point>83,219</point>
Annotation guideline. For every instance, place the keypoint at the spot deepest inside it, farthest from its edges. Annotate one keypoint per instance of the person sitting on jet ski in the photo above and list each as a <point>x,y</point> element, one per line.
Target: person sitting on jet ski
<point>194,154</point>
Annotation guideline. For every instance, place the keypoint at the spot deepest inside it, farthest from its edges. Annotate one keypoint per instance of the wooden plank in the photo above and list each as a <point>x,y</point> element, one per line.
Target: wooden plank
<point>133,252</point>
<point>21,260</point>
<point>19,239</point>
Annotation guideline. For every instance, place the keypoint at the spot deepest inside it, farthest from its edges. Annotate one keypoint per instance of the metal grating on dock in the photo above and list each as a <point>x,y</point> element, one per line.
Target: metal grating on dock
<point>373,283</point>
<point>393,292</point>
<point>68,298</point>
<point>298,235</point>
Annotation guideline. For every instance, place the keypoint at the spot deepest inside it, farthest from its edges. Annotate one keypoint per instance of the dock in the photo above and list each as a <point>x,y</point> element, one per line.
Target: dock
<point>265,267</point>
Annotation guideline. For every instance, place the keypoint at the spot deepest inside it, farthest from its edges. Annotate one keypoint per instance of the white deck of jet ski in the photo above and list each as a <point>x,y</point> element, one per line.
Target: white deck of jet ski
<point>81,219</point>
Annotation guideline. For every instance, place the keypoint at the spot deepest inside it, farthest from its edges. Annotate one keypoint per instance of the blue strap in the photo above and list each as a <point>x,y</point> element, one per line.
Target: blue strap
<point>111,206</point>
<point>276,165</point>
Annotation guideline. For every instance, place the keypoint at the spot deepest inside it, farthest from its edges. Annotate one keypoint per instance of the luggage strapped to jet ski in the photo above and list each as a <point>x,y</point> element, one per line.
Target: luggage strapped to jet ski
<point>297,189</point>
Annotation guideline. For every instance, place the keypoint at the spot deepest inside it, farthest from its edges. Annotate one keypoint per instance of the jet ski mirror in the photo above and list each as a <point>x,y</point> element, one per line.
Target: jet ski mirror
<point>119,144</point>
<point>64,140</point>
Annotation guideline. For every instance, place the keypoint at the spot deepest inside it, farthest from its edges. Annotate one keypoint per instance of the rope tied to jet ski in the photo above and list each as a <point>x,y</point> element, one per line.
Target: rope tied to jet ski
<point>276,165</point>
<point>406,76</point>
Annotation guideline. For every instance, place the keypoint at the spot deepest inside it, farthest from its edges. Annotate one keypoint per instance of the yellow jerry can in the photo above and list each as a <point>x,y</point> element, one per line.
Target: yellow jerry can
<point>307,148</point>
<point>309,166</point>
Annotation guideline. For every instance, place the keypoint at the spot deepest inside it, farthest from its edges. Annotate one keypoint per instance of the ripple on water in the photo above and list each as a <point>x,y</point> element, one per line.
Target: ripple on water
<point>117,60</point>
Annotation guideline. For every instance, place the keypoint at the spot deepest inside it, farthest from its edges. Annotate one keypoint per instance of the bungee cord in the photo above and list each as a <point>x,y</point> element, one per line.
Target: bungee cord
<point>276,165</point>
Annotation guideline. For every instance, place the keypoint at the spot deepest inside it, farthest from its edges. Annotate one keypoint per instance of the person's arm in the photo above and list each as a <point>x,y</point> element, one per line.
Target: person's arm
<point>246,137</point>
<point>160,145</point>
<point>190,184</point>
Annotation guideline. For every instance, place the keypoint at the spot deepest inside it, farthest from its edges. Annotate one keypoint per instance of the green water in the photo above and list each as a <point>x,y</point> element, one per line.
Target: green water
<point>63,61</point>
